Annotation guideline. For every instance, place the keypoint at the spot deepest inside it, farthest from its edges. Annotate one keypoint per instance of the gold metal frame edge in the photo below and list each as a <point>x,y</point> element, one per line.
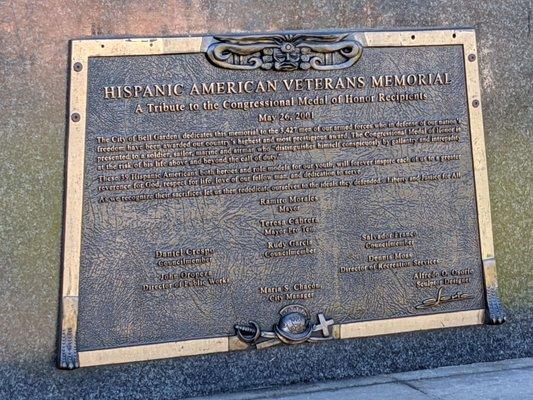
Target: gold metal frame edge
<point>224,343</point>
<point>82,49</point>
<point>410,324</point>
<point>156,351</point>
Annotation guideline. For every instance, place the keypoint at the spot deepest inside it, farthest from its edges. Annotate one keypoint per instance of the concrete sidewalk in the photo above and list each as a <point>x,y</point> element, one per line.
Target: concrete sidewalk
<point>508,379</point>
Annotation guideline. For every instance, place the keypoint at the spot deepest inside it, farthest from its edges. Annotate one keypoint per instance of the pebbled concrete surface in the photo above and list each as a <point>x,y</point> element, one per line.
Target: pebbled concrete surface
<point>33,75</point>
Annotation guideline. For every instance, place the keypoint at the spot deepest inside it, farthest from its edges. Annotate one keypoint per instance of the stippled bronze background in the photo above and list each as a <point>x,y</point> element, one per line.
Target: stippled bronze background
<point>119,239</point>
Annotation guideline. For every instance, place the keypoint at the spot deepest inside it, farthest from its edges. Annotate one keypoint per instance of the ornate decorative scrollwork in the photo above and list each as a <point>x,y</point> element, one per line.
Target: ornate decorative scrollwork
<point>495,312</point>
<point>293,327</point>
<point>68,356</point>
<point>285,52</point>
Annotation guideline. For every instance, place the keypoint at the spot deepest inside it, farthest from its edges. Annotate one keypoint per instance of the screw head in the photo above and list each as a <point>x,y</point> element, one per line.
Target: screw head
<point>75,117</point>
<point>471,57</point>
<point>77,67</point>
<point>475,103</point>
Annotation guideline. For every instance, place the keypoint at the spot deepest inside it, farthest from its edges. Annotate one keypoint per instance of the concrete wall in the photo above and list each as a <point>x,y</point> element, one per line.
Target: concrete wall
<point>33,87</point>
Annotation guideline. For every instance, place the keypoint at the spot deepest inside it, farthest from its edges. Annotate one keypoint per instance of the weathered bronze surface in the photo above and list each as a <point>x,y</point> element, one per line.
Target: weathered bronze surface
<point>223,191</point>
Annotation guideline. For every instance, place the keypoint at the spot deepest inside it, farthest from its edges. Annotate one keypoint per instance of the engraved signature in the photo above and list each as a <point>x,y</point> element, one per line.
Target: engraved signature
<point>442,299</point>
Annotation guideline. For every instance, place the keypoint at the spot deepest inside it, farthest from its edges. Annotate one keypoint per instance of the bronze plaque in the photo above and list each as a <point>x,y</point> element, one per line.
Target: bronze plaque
<point>236,192</point>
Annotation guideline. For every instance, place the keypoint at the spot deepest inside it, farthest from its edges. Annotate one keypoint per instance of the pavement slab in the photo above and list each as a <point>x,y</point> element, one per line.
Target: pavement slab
<point>501,380</point>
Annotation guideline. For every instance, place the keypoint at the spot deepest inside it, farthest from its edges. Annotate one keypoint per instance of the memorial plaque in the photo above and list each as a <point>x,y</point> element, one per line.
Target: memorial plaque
<point>245,191</point>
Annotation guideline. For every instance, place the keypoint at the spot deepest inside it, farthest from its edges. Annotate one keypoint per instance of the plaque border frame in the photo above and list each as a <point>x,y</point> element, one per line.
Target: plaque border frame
<point>81,50</point>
